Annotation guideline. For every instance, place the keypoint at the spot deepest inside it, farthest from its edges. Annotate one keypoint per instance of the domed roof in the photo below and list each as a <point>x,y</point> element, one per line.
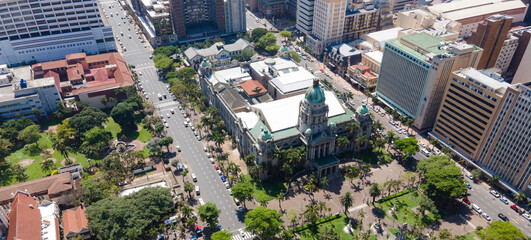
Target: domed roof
<point>205,63</point>
<point>284,49</point>
<point>315,94</point>
<point>308,131</point>
<point>265,135</point>
<point>362,110</point>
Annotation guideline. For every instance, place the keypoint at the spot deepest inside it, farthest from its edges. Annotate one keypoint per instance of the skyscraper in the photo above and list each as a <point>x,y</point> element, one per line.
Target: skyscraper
<point>196,19</point>
<point>414,73</point>
<point>490,35</point>
<point>39,30</point>
<point>328,21</point>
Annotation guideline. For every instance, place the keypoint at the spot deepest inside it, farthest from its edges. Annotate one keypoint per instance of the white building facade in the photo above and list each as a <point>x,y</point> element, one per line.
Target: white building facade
<point>328,22</point>
<point>45,30</point>
<point>507,52</point>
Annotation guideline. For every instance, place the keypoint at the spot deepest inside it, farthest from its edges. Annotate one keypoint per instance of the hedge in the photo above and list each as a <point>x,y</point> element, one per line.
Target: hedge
<point>320,221</point>
<point>398,194</point>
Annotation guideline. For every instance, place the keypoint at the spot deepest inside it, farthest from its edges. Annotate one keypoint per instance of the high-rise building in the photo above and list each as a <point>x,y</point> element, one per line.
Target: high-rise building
<point>490,35</point>
<point>360,19</point>
<point>197,19</point>
<point>235,20</point>
<point>488,122</point>
<point>328,22</point>
<point>415,70</point>
<point>471,12</point>
<point>39,30</point>
<point>305,16</point>
<point>507,52</point>
<point>401,5</point>
<point>524,38</point>
<point>523,72</point>
<point>272,8</point>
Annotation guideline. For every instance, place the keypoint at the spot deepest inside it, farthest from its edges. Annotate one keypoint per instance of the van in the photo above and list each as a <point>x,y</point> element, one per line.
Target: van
<point>197,190</point>
<point>425,152</point>
<point>476,208</point>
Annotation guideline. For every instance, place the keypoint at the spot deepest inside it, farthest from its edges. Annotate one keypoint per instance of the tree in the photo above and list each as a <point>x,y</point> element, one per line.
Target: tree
<point>30,134</point>
<point>328,233</point>
<point>447,151</point>
<point>311,212</point>
<point>64,131</point>
<point>104,100</point>
<point>280,198</point>
<point>445,234</point>
<point>163,63</point>
<point>426,204</point>
<point>443,180</point>
<point>209,213</point>
<point>94,188</point>
<point>285,34</point>
<point>375,191</point>
<point>96,141</point>
<point>263,222</point>
<point>135,216</point>
<point>408,177</point>
<point>268,43</point>
<point>434,142</point>
<point>189,188</point>
<point>477,174</point>
<point>87,119</point>
<point>116,168</point>
<point>60,146</point>
<point>353,127</point>
<point>499,230</point>
<point>342,142</point>
<point>390,138</point>
<point>154,145</point>
<point>221,235</point>
<point>245,55</point>
<point>295,56</point>
<point>243,191</point>
<point>257,33</point>
<point>407,146</point>
<point>520,197</point>
<point>124,115</point>
<point>47,166</point>
<point>166,141</point>
<point>346,201</point>
<point>36,113</point>
<point>5,148</point>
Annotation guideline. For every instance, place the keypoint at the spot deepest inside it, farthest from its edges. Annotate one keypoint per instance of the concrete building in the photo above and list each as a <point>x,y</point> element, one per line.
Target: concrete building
<point>361,18</point>
<point>401,5</point>
<point>36,31</point>
<point>198,19</point>
<point>328,22</point>
<point>304,21</point>
<point>23,94</point>
<point>488,122</point>
<point>420,20</point>
<point>386,14</point>
<point>490,35</point>
<point>60,188</point>
<point>524,36</point>
<point>420,65</point>
<point>235,20</point>
<point>471,13</point>
<point>154,19</point>
<point>312,120</point>
<point>365,74</point>
<point>523,72</point>
<point>339,57</point>
<point>6,76</point>
<point>507,52</point>
<point>219,54</point>
<point>88,78</point>
<point>272,8</point>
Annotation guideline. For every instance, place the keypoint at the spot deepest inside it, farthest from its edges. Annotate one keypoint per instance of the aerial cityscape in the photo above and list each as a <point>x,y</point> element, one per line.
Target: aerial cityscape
<point>265,119</point>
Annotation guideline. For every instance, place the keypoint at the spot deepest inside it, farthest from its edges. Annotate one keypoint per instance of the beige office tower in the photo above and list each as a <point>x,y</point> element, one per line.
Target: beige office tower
<point>488,121</point>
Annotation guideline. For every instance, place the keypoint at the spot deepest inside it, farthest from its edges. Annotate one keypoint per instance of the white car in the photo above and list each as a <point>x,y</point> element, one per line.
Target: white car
<point>220,173</point>
<point>212,160</point>
<point>197,190</point>
<point>526,216</point>
<point>208,154</point>
<point>201,201</point>
<point>230,191</point>
<point>185,124</point>
<point>168,115</point>
<point>192,127</point>
<point>477,208</point>
<point>166,125</point>
<point>194,178</point>
<point>469,175</point>
<point>204,149</point>
<point>227,185</point>
<point>495,194</point>
<point>425,152</point>
<point>484,215</point>
<point>422,144</point>
<point>437,152</point>
<point>178,148</point>
<point>172,111</point>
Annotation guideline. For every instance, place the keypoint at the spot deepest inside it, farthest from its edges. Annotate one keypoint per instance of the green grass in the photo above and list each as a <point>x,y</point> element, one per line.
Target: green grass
<point>34,171</point>
<point>371,156</point>
<point>337,224</point>
<point>143,135</point>
<point>267,190</point>
<point>404,209</point>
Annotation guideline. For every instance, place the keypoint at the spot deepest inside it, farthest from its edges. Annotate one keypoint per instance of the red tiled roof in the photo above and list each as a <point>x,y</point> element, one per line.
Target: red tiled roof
<point>52,185</point>
<point>56,78</point>
<point>74,222</point>
<point>24,218</point>
<point>253,87</point>
<point>75,56</point>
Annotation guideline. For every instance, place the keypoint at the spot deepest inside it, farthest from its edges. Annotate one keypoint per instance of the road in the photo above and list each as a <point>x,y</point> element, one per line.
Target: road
<point>209,182</point>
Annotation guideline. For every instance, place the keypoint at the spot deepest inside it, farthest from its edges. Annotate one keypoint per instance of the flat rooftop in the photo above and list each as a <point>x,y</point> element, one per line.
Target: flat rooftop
<point>423,43</point>
<point>488,82</point>
<point>458,10</point>
<point>376,55</point>
<point>383,36</point>
<point>293,81</point>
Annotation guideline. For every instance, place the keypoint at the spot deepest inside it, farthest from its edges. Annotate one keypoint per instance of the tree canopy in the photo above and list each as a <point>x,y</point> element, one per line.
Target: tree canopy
<point>268,43</point>
<point>221,235</point>
<point>96,141</point>
<point>499,230</point>
<point>243,191</point>
<point>209,213</point>
<point>30,134</point>
<point>130,217</point>
<point>263,222</point>
<point>257,33</point>
<point>87,119</point>
<point>124,115</point>
<point>442,179</point>
<point>407,146</point>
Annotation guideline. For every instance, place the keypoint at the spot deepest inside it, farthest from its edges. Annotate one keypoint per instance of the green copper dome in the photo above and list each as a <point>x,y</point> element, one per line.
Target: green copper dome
<point>362,110</point>
<point>205,63</point>
<point>284,49</point>
<point>315,94</point>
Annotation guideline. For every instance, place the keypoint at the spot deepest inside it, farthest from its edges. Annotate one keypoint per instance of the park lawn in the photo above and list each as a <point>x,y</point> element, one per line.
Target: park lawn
<point>268,190</point>
<point>371,156</point>
<point>112,127</point>
<point>404,207</point>
<point>143,135</point>
<point>33,171</point>
<point>338,225</point>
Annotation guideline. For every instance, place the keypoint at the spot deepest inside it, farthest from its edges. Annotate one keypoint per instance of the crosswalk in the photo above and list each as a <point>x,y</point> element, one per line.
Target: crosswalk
<point>166,104</point>
<point>237,236</point>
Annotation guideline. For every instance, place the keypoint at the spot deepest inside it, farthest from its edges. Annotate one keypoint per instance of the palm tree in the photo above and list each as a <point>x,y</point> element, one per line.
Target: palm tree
<point>409,122</point>
<point>60,146</point>
<point>311,213</point>
<point>434,142</point>
<point>520,197</point>
<point>368,94</point>
<point>342,142</point>
<point>199,128</point>
<point>322,207</point>
<point>353,126</point>
<point>280,198</point>
<point>349,95</point>
<point>361,140</point>
<point>47,166</point>
<point>236,170</point>
<point>324,182</point>
<point>390,138</point>
<point>375,191</point>
<point>278,154</point>
<point>346,201</point>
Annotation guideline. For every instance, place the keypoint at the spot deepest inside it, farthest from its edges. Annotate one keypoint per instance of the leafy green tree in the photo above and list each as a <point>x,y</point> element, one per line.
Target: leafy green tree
<point>94,188</point>
<point>11,129</point>
<point>295,56</point>
<point>154,145</point>
<point>243,191</point>
<point>166,142</point>
<point>135,216</point>
<point>5,148</point>
<point>263,222</point>
<point>64,131</point>
<point>268,43</point>
<point>311,212</point>
<point>221,235</point>
<point>407,146</point>
<point>375,191</point>
<point>477,174</point>
<point>445,234</point>
<point>30,134</point>
<point>426,204</point>
<point>390,138</point>
<point>209,213</point>
<point>245,55</point>
<point>328,233</point>
<point>60,146</point>
<point>163,63</point>
<point>124,115</point>
<point>346,201</point>
<point>87,119</point>
<point>499,230</point>
<point>442,179</point>
<point>63,112</point>
<point>96,141</point>
<point>257,33</point>
<point>189,188</point>
<point>48,166</point>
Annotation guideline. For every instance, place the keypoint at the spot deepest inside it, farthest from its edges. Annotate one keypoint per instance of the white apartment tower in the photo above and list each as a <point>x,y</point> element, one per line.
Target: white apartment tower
<point>328,21</point>
<point>507,52</point>
<point>45,30</point>
<point>305,16</point>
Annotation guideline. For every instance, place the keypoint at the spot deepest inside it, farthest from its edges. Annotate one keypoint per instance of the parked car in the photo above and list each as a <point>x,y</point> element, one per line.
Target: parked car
<point>216,166</point>
<point>468,185</point>
<point>476,208</point>
<point>469,175</point>
<point>515,208</point>
<point>230,191</point>
<point>484,215</point>
<point>178,148</point>
<point>201,201</point>
<point>220,172</point>
<point>224,179</point>
<point>204,149</point>
<point>212,160</point>
<point>503,217</point>
<point>465,200</point>
<point>495,194</point>
<point>194,178</point>
<point>526,216</point>
<point>197,190</point>
<point>227,185</point>
<point>504,200</point>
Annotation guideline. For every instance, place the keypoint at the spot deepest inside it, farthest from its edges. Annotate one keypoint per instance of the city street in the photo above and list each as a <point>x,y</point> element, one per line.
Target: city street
<point>211,187</point>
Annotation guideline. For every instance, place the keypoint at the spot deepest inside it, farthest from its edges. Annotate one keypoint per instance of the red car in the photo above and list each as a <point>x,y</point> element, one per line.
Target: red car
<point>216,167</point>
<point>465,200</point>
<point>515,208</point>
<point>322,70</point>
